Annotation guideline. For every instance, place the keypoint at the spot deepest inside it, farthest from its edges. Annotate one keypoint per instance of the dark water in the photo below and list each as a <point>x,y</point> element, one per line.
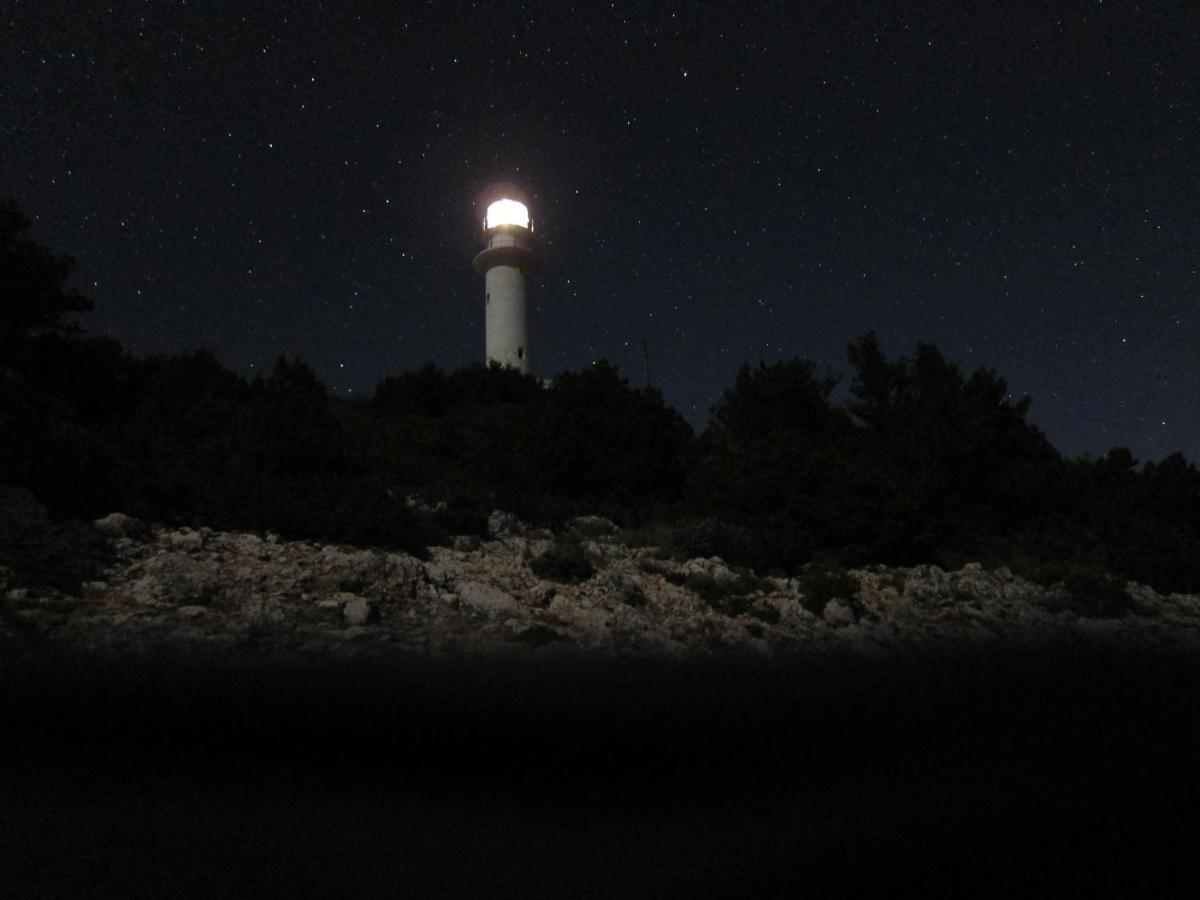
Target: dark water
<point>1066,772</point>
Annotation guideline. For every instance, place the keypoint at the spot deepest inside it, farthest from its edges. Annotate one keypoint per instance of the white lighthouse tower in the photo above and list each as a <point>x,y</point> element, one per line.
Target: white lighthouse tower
<point>508,256</point>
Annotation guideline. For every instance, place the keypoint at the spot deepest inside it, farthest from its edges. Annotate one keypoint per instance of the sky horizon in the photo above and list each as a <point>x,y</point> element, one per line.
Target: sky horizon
<point>727,184</point>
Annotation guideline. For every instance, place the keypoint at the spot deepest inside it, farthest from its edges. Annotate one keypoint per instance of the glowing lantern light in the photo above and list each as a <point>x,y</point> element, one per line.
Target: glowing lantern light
<point>507,212</point>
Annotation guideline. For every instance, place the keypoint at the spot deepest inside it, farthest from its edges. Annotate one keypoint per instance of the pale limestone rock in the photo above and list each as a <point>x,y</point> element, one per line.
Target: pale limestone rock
<point>176,578</point>
<point>504,524</point>
<point>542,593</point>
<point>624,587</point>
<point>184,539</point>
<point>264,610</point>
<point>274,593</point>
<point>713,566</point>
<point>487,599</point>
<point>579,615</point>
<point>838,614</point>
<point>927,586</point>
<point>117,525</point>
<point>357,611</point>
<point>593,551</point>
<point>594,526</point>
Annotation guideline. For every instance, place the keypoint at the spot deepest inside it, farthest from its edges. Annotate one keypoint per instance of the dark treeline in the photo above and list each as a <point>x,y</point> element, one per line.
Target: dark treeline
<point>924,464</point>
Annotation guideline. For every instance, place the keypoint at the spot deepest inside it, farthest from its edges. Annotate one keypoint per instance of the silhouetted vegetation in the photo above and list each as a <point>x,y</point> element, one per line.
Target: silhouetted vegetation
<point>826,580</point>
<point>563,561</point>
<point>925,463</point>
<point>34,297</point>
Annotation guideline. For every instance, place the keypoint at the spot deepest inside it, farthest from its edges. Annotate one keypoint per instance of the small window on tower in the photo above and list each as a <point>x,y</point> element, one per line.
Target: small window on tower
<point>487,298</point>
<point>520,353</point>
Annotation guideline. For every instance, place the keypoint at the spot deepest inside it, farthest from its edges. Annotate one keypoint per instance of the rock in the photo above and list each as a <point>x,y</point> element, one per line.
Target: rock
<point>184,539</point>
<point>838,614</point>
<point>175,578</point>
<point>245,592</point>
<point>1144,600</point>
<point>713,566</point>
<point>261,610</point>
<point>357,611</point>
<point>487,599</point>
<point>504,524</point>
<point>595,526</point>
<point>538,546</point>
<point>593,551</point>
<point>247,545</point>
<point>118,525</point>
<point>542,593</point>
<point>465,542</point>
<point>614,551</point>
<point>330,606</point>
<point>437,574</point>
<point>403,575</point>
<point>927,586</point>
<point>626,588</point>
<point>580,616</point>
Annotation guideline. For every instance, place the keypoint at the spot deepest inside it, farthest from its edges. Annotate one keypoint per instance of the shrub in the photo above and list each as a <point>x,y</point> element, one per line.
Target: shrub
<point>460,518</point>
<point>707,538</point>
<point>657,566</point>
<point>364,514</point>
<point>768,614</point>
<point>1095,595</point>
<point>822,583</point>
<point>725,595</point>
<point>563,561</point>
<point>651,534</point>
<point>705,586</point>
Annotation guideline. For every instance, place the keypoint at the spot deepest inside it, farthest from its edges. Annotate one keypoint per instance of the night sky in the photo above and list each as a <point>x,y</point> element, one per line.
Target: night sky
<point>729,182</point>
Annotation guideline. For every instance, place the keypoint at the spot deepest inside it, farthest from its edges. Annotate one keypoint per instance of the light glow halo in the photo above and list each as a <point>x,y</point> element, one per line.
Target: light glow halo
<point>507,212</point>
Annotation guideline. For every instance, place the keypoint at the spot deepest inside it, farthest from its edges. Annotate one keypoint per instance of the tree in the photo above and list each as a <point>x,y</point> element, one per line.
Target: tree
<point>595,439</point>
<point>34,297</point>
<point>781,461</point>
<point>286,457</point>
<point>964,462</point>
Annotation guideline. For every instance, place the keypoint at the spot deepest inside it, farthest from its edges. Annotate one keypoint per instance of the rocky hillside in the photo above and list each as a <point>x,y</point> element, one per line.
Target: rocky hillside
<point>203,591</point>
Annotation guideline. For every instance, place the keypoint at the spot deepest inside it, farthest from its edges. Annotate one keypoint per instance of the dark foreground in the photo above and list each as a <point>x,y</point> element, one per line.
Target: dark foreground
<point>1067,772</point>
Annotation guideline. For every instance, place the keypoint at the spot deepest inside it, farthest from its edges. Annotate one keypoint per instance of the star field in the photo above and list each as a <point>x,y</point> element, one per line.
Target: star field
<point>725,182</point>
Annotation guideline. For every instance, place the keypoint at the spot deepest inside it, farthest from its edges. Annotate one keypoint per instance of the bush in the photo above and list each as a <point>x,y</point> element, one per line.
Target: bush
<point>461,518</point>
<point>822,583</point>
<point>725,595</point>
<point>366,515</point>
<point>706,587</point>
<point>656,535</point>
<point>1095,595</point>
<point>707,538</point>
<point>563,561</point>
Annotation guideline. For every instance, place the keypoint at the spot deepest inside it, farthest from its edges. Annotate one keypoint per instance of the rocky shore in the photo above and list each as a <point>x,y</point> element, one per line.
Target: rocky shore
<point>191,712</point>
<point>204,592</point>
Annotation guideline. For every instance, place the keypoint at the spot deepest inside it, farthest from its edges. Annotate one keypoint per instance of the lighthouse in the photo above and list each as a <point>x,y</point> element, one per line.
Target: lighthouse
<point>508,257</point>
